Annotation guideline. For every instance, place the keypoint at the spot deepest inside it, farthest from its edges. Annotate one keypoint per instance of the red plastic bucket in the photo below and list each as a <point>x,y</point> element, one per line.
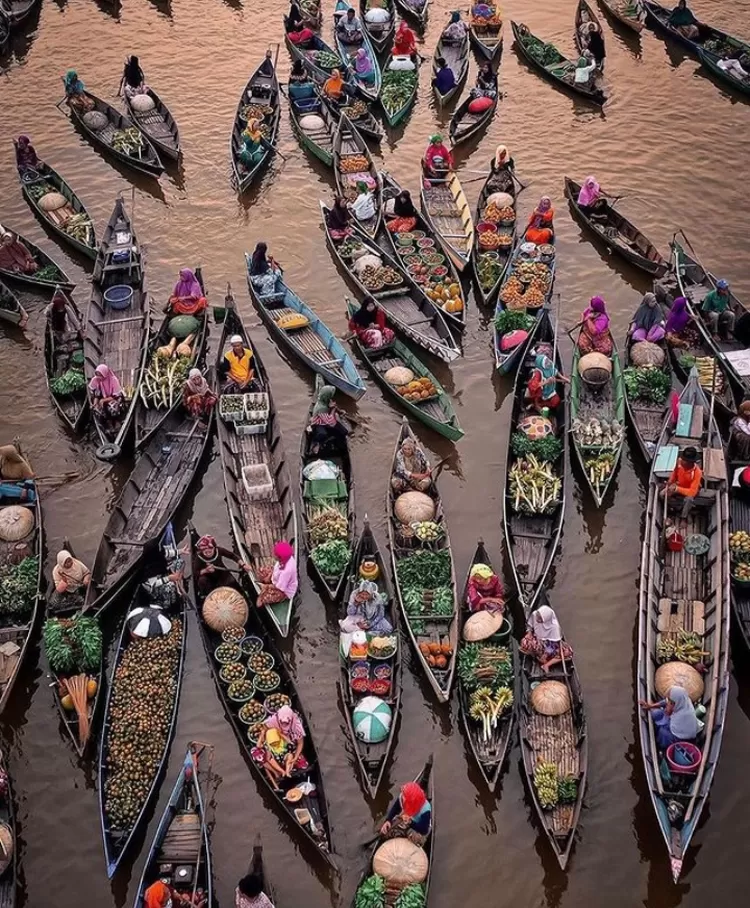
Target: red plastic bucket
<point>691,751</point>
<point>675,541</point>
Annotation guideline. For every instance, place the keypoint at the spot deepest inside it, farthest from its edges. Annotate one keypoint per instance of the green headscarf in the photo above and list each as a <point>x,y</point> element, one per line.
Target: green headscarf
<point>325,396</point>
<point>582,61</point>
<point>362,186</point>
<point>437,139</point>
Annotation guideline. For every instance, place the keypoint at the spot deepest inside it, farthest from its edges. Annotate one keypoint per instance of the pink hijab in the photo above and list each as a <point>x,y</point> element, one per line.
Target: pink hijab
<point>288,723</point>
<point>187,286</point>
<point>598,311</point>
<point>283,551</point>
<point>105,382</point>
<point>590,192</point>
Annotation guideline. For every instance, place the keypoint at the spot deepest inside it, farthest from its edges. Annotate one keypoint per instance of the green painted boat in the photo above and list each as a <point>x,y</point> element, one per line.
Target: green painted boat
<point>318,142</point>
<point>395,115</point>
<point>437,412</point>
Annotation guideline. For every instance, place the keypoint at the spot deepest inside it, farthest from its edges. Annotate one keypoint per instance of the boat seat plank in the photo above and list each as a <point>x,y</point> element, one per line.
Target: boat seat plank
<point>696,426</point>
<point>714,464</point>
<point>685,615</point>
<point>684,419</point>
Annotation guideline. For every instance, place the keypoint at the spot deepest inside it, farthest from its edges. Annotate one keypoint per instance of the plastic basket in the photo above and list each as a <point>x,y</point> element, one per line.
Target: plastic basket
<point>119,297</point>
<point>256,478</point>
<point>228,414</point>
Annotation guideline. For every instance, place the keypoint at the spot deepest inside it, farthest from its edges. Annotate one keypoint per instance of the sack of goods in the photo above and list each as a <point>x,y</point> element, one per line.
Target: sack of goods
<point>312,123</point>
<point>142,103</point>
<point>377,16</point>
<point>95,120</point>
<point>402,63</point>
<point>479,105</point>
<point>292,321</point>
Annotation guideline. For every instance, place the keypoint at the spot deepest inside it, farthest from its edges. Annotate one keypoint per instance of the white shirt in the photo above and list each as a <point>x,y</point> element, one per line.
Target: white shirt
<point>732,66</point>
<point>583,73</point>
<point>363,206</point>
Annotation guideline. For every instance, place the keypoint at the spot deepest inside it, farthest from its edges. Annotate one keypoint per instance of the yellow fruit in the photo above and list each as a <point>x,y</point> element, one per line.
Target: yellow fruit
<point>91,688</point>
<point>67,702</point>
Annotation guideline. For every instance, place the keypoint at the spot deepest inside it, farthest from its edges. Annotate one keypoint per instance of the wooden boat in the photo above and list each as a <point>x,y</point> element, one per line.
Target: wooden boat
<point>391,189</point>
<point>116,333</point>
<point>487,282</point>
<point>123,727</point>
<point>261,91</point>
<point>257,528</point>
<point>11,310</point>
<point>9,878</point>
<point>603,402</point>
<point>317,830</point>
<point>18,11</point>
<point>143,158</point>
<point>360,116</point>
<point>379,33</point>
<point>436,412</point>
<point>522,42</point>
<point>561,740</point>
<point>626,13</point>
<point>739,522</point>
<point>690,593</point>
<point>372,757</point>
<point>61,354</point>
<point>507,361</point>
<point>489,748</point>
<point>342,502</point>
<point>314,343</point>
<point>308,56</point>
<point>319,142</point>
<point>348,144</point>
<point>465,125</point>
<point>157,124</point>
<point>45,179</point>
<point>417,12</point>
<point>405,305</point>
<point>425,626</point>
<point>148,414</point>
<point>448,214</point>
<point>181,842</point>
<point>584,14</point>
<point>712,63</point>
<point>617,233</point>
<point>532,539</point>
<point>17,628</point>
<point>347,52</point>
<point>396,115</point>
<point>4,31</point>
<point>487,39</point>
<point>48,276</point>
<point>456,56</point>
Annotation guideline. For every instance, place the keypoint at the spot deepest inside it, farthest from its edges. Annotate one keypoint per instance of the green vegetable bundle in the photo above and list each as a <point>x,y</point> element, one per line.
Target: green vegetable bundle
<point>332,558</point>
<point>513,320</point>
<point>40,189</point>
<point>48,273</point>
<point>398,88</point>
<point>437,602</point>
<point>424,570</point>
<point>411,896</point>
<point>546,54</point>
<point>164,380</point>
<point>70,382</point>
<point>484,664</point>
<point>567,790</point>
<point>18,588</point>
<point>371,894</point>
<point>73,645</point>
<point>647,383</point>
<point>548,448</point>
<point>326,60</point>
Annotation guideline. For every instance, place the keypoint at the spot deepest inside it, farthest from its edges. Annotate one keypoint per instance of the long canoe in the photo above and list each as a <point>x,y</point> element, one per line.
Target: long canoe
<point>560,740</point>
<point>117,337</point>
<point>487,34</point>
<point>489,746</point>
<point>11,310</point>
<point>397,114</point>
<point>314,343</point>
<point>360,116</point>
<point>405,305</point>
<point>157,124</point>
<point>417,11</point>
<point>490,266</point>
<point>678,593</point>
<point>739,522</point>
<point>48,275</point>
<point>9,878</point>
<point>466,125</point>
<point>456,56</point>
<point>257,528</point>
<point>146,674</point>
<point>626,13</point>
<point>348,145</point>
<point>447,211</point>
<point>424,624</point>
<point>43,180</point>
<point>712,61</point>
<point>262,91</point>
<point>369,88</point>
<point>62,353</point>
<point>380,33</point>
<point>584,15</point>
<point>554,70</point>
<point>142,157</point>
<point>532,538</point>
<point>617,233</point>
<point>372,756</point>
<point>309,57</point>
<point>305,100</point>
<point>181,840</point>
<point>316,830</point>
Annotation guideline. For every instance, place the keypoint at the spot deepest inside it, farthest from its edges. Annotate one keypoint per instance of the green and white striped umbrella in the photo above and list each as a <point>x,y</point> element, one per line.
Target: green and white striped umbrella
<point>372,720</point>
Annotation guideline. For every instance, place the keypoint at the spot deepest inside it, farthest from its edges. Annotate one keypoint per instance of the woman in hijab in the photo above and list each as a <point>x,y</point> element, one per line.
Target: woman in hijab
<point>404,43</point>
<point>541,388</point>
<point>486,82</point>
<point>411,472</point>
<point>71,578</point>
<point>678,321</point>
<point>674,717</point>
<point>363,66</point>
<point>590,198</point>
<point>278,583</point>
<point>410,816</point>
<point>326,429</point>
<point>368,323</point>
<point>366,608</point>
<point>484,592</point>
<point>197,397</point>
<point>263,271</point>
<point>339,219</point>
<point>333,87</point>
<point>250,894</point>
<point>682,20</point>
<point>298,74</point>
<point>293,19</point>
<point>254,145</point>
<point>405,214</point>
<point>364,205</point>
<point>279,745</point>
<point>107,397</point>
<point>75,92</point>
<point>455,31</point>
<point>595,336</point>
<point>539,228</point>
<point>544,639</point>
<point>502,162</point>
<point>647,322</point>
<point>133,80</point>
<point>187,297</point>
<point>26,157</point>
<point>210,567</point>
<point>437,159</point>
<point>739,435</point>
<point>14,256</point>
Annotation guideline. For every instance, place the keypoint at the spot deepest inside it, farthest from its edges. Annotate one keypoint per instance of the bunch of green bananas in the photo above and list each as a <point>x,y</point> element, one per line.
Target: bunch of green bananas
<point>546,784</point>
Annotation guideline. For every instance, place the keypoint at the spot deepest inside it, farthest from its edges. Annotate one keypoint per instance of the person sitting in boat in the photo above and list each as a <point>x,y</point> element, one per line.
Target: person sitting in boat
<point>438,160</point>
<point>236,372</point>
<point>107,398</point>
<point>349,28</point>
<point>591,199</point>
<point>544,640</point>
<point>159,895</point>
<point>133,80</point>
<point>254,144</point>
<point>363,66</point>
<point>539,228</point>
<point>326,429</point>
<point>364,205</point>
<point>593,42</point>
<point>75,92</point>
<point>210,563</point>
<point>71,578</point>
<point>541,388</point>
<point>445,78</point>
<point>685,481</point>
<point>266,67</point>
<point>333,87</point>
<point>484,592</point>
<point>486,82</point>
<point>278,583</point>
<point>584,72</point>
<point>682,20</point>
<point>278,748</point>
<point>197,397</point>
<point>674,717</point>
<point>502,163</point>
<point>369,325</point>
<point>404,42</point>
<point>366,608</point>
<point>410,816</point>
<point>339,219</point>
<point>411,472</point>
<point>717,310</point>
<point>455,31</point>
<point>734,67</point>
<point>26,157</point>
<point>298,75</point>
<point>294,19</point>
<point>14,256</point>
<point>678,323</point>
<point>648,324</point>
<point>404,214</point>
<point>56,314</point>
<point>250,894</point>
<point>739,434</point>
<point>264,271</point>
<point>187,297</point>
<point>595,336</point>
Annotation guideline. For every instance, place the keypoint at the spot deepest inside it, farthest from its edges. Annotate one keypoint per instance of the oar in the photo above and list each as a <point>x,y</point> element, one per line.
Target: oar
<point>203,812</point>
<point>570,331</point>
<point>61,101</point>
<point>60,477</point>
<point>554,341</point>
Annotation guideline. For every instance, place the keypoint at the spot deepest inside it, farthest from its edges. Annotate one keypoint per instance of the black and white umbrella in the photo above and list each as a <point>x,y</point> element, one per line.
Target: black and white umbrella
<point>148,621</point>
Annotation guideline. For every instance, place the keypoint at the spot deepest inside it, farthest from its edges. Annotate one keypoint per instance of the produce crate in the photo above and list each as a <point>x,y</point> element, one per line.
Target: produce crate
<point>229,410</point>
<point>256,478</point>
<point>325,488</point>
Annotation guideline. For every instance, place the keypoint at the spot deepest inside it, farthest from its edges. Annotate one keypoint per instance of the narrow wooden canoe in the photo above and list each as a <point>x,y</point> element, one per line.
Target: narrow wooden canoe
<point>369,89</point>
<point>380,33</point>
<point>438,412</point>
<point>624,12</point>
<point>372,757</point>
<point>456,56</point>
<point>618,234</point>
<point>257,529</point>
<point>739,521</point>
<point>261,91</point>
<point>157,124</point>
<point>315,344</point>
<point>532,539</point>
<point>405,305</point>
<point>360,116</point>
<point>11,310</point>
<point>553,71</point>
<point>712,62</point>
<point>337,454</point>
<point>44,180</point>
<point>447,211</point>
<point>488,275</point>
<point>319,141</point>
<point>52,275</point>
<point>417,11</point>
<point>424,626</point>
<point>18,11</point>
<point>349,144</point>
<point>465,125</point>
<point>9,879</point>
<point>487,39</point>
<point>144,158</point>
<point>309,57</point>
<point>584,14</point>
<point>181,838</point>
<point>489,749</point>
<point>397,114</point>
<point>117,337</point>
<point>123,726</point>
<point>560,740</point>
<point>318,834</point>
<point>685,593</point>
<point>59,351</point>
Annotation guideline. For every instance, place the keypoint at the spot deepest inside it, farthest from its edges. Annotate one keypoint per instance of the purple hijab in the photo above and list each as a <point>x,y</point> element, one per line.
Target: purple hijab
<point>678,316</point>
<point>187,286</point>
<point>598,311</point>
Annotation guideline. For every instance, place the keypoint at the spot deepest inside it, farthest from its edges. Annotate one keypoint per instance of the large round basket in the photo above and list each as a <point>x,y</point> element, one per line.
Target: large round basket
<point>142,103</point>
<point>400,863</point>
<point>680,674</point>
<point>95,120</point>
<point>16,523</point>
<point>53,201</point>
<point>481,626</point>
<point>550,698</point>
<point>414,507</point>
<point>595,369</point>
<point>644,353</point>
<point>223,607</point>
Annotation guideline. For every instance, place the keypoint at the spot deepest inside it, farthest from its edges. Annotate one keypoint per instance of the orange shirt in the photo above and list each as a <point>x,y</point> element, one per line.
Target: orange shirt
<point>688,481</point>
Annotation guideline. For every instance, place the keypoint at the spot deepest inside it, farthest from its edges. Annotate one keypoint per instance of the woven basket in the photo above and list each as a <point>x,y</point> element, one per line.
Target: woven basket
<point>681,674</point>
<point>400,863</point>
<point>224,607</point>
<point>550,698</point>
<point>142,103</point>
<point>482,626</point>
<point>414,507</point>
<point>95,120</point>
<point>644,353</point>
<point>16,523</point>
<point>53,201</point>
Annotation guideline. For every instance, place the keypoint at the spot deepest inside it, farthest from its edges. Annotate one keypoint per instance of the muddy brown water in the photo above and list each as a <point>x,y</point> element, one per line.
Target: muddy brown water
<point>673,143</point>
